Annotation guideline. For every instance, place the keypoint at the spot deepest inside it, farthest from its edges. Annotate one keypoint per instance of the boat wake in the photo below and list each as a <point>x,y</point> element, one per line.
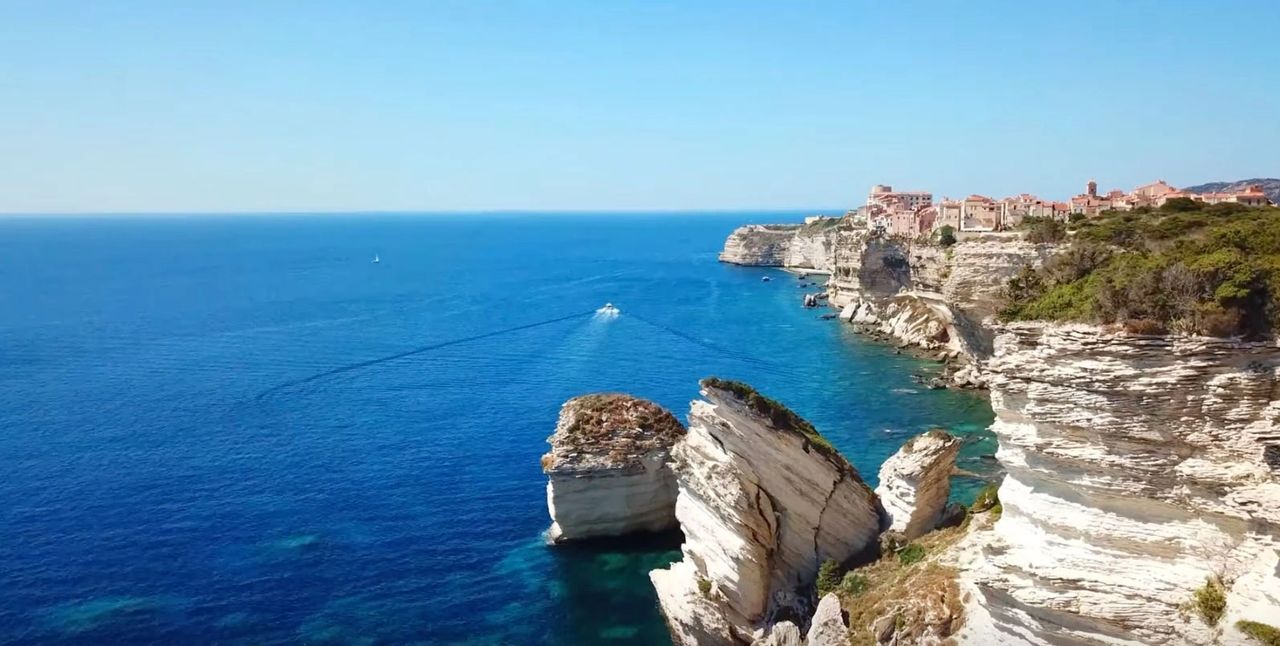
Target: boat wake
<point>409,353</point>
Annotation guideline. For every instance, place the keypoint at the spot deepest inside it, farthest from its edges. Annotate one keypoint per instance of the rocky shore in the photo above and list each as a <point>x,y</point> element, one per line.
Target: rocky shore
<point>912,293</point>
<point>765,503</point>
<point>1140,505</point>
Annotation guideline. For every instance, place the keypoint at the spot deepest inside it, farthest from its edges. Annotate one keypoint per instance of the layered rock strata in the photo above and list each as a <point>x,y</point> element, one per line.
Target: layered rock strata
<point>798,246</point>
<point>919,294</point>
<point>764,245</point>
<point>915,483</point>
<point>763,500</point>
<point>607,471</point>
<point>1139,468</point>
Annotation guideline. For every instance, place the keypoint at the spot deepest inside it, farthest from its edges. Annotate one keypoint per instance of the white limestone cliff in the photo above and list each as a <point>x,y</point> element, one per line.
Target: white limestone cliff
<point>796,246</point>
<point>763,501</point>
<point>915,483</point>
<point>1138,468</point>
<point>828,626</point>
<point>607,471</point>
<point>764,245</point>
<point>919,294</point>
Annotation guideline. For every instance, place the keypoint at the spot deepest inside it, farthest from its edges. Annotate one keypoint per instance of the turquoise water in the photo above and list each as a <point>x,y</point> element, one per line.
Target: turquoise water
<point>240,430</point>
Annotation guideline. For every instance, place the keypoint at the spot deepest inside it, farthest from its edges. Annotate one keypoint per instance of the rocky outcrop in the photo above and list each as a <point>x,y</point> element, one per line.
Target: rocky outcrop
<point>1138,468</point>
<point>764,245</point>
<point>828,626</point>
<point>783,633</point>
<point>763,500</point>
<point>607,471</point>
<point>919,294</point>
<point>799,246</point>
<point>915,483</point>
<point>813,246</point>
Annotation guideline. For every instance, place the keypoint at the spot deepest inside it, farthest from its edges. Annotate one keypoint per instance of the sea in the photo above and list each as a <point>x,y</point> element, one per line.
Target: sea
<point>242,430</point>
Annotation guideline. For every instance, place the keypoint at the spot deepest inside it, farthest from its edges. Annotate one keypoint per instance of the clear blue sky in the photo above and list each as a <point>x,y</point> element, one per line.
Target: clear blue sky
<point>267,106</point>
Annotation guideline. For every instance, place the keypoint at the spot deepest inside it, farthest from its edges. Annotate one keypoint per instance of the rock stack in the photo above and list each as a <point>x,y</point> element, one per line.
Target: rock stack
<point>763,501</point>
<point>607,471</point>
<point>916,482</point>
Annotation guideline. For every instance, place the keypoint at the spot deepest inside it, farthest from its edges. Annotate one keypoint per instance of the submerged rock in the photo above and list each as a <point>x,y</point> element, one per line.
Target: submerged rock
<point>763,500</point>
<point>916,481</point>
<point>607,469</point>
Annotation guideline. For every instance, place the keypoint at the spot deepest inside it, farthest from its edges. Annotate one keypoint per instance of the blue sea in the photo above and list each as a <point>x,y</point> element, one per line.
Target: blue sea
<point>240,430</point>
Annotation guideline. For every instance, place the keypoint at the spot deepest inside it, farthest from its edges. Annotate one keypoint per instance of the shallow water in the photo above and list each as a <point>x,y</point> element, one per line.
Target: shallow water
<point>241,430</point>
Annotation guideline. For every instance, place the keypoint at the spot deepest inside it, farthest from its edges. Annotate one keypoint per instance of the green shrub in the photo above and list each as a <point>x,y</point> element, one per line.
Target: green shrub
<point>1044,229</point>
<point>853,584</point>
<point>828,577</point>
<point>1210,601</point>
<point>1184,268</point>
<point>1181,204</point>
<point>946,235</point>
<point>704,586</point>
<point>912,553</point>
<point>777,414</point>
<point>988,497</point>
<point>1262,633</point>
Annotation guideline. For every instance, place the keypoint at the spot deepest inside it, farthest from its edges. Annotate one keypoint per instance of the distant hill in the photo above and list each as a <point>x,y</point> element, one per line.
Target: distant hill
<point>1270,186</point>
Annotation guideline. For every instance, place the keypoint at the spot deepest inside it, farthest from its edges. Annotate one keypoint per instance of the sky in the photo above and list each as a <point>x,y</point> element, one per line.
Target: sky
<point>269,105</point>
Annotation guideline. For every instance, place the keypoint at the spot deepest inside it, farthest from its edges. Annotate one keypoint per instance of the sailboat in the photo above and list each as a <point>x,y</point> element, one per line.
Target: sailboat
<point>375,260</point>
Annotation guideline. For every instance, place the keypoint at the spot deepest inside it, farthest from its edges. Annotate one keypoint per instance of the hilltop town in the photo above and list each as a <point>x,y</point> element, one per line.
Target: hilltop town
<point>914,213</point>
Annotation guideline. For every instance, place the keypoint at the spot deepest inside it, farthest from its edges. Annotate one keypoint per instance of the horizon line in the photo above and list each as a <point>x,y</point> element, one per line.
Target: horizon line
<point>578,211</point>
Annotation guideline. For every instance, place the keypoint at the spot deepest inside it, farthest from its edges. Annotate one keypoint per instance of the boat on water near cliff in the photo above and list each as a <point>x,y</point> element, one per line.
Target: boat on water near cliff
<point>609,310</point>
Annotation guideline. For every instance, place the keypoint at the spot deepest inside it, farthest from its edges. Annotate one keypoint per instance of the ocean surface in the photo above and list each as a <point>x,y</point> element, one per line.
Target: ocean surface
<point>241,430</point>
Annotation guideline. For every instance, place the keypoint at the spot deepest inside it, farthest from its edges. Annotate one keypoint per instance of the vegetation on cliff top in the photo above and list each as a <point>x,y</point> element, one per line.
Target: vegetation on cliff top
<point>918,594</point>
<point>619,427</point>
<point>1186,268</point>
<point>779,415</point>
<point>1260,632</point>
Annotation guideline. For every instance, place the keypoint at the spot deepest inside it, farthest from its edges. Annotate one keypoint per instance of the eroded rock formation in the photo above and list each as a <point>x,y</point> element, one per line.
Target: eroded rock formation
<point>764,245</point>
<point>1139,468</point>
<point>799,246</point>
<point>828,626</point>
<point>920,294</point>
<point>915,483</point>
<point>763,500</point>
<point>607,471</point>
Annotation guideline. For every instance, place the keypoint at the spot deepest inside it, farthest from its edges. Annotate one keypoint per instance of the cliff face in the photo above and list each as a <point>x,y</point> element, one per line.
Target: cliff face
<point>798,246</point>
<point>916,481</point>
<point>607,472</point>
<point>1138,469</point>
<point>761,503</point>
<point>926,296</point>
<point>764,245</point>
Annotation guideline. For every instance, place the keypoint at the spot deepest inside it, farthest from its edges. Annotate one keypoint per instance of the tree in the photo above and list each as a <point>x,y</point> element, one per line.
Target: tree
<point>829,574</point>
